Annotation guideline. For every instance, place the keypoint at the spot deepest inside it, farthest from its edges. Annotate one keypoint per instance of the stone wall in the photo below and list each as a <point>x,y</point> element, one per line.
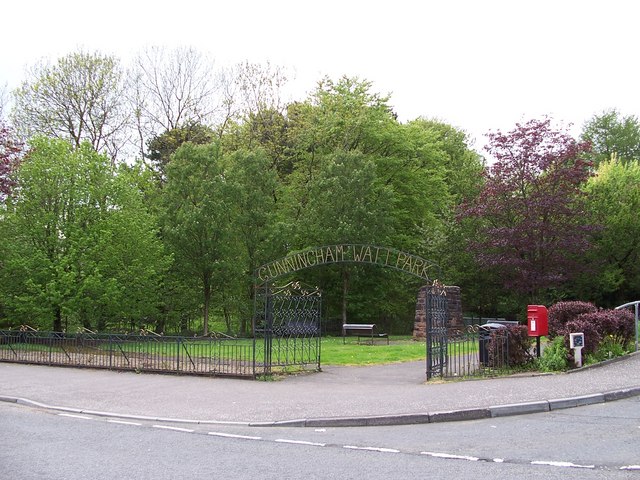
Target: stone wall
<point>454,303</point>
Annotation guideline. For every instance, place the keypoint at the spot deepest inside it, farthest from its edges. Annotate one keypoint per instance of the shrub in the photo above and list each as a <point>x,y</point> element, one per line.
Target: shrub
<point>618,324</point>
<point>608,348</point>
<point>563,312</point>
<point>554,356</point>
<point>615,326</point>
<point>586,324</point>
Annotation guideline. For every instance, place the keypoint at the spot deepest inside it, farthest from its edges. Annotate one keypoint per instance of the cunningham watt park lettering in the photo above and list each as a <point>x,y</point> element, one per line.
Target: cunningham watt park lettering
<point>346,253</point>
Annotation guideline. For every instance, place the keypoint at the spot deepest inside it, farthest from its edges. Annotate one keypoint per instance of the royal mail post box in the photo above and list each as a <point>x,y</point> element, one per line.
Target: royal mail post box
<point>537,320</point>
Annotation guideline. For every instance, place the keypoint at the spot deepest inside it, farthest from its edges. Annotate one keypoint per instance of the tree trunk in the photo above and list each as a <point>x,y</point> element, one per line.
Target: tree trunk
<point>57,321</point>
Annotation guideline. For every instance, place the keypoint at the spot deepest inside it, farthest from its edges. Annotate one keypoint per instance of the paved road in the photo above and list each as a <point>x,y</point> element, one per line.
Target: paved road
<point>592,442</point>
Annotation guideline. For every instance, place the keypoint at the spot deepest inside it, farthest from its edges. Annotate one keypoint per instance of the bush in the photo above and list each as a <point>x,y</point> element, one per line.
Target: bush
<point>554,357</point>
<point>586,324</point>
<point>614,326</point>
<point>563,312</point>
<point>608,348</point>
<point>618,324</point>
<point>607,333</point>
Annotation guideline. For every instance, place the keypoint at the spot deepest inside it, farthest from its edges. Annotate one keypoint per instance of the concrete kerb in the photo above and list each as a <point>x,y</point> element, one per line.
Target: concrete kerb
<point>378,420</point>
<point>97,413</point>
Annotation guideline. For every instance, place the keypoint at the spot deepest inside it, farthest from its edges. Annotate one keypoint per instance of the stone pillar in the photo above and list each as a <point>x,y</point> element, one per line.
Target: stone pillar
<point>454,303</point>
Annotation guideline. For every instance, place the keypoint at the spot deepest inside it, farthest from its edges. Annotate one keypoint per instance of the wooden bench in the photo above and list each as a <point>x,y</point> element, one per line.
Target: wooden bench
<point>362,330</point>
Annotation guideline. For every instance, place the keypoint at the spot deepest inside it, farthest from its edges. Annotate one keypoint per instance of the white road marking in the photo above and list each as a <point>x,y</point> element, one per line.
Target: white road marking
<point>450,456</point>
<point>561,464</point>
<point>372,449</point>
<point>300,442</point>
<point>231,435</point>
<point>442,455</point>
<point>122,422</point>
<point>70,415</point>
<point>175,429</point>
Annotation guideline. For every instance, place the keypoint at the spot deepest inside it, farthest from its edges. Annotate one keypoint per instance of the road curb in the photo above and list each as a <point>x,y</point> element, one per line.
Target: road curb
<point>494,411</point>
<point>519,408</point>
<point>621,394</point>
<point>559,403</point>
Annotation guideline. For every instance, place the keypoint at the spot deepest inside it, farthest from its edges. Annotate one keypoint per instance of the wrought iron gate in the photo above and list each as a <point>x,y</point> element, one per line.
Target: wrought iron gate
<point>287,327</point>
<point>437,318</point>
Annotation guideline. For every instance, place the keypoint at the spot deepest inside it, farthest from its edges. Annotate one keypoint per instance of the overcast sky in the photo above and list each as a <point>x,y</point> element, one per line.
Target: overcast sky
<point>478,64</point>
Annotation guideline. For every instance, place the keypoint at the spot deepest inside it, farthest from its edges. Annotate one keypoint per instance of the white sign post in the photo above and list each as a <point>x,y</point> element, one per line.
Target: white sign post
<point>576,342</point>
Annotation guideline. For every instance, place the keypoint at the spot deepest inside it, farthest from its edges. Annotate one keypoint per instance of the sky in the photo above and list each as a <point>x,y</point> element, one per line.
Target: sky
<point>480,65</point>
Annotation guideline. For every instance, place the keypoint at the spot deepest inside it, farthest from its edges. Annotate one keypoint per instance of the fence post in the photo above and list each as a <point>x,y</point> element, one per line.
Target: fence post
<point>178,345</point>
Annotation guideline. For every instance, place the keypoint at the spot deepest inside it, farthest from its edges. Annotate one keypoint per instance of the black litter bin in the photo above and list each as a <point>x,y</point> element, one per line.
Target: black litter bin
<point>484,335</point>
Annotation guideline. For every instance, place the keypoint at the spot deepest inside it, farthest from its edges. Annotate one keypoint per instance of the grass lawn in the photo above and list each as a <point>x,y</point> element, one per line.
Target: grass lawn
<point>400,349</point>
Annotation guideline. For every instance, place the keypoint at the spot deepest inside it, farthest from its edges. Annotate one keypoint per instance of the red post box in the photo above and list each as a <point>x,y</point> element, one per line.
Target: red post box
<point>537,320</point>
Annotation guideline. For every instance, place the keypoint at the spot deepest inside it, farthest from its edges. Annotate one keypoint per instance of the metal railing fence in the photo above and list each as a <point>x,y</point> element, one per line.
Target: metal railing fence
<point>473,352</point>
<point>140,353</point>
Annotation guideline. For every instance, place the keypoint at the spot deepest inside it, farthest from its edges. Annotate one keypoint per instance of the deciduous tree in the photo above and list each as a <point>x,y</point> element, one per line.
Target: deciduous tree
<point>613,196</point>
<point>171,88</point>
<point>198,206</point>
<point>10,153</point>
<point>78,246</point>
<point>611,133</point>
<point>531,210</point>
<point>79,98</point>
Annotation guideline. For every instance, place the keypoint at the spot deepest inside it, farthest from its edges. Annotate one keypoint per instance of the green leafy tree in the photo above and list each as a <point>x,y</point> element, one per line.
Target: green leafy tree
<point>255,184</point>
<point>613,196</point>
<point>198,216</point>
<point>161,147</point>
<point>78,246</point>
<point>347,204</point>
<point>611,133</point>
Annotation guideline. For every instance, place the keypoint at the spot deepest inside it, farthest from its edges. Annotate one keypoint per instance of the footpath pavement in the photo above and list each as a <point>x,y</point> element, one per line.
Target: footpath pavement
<point>337,396</point>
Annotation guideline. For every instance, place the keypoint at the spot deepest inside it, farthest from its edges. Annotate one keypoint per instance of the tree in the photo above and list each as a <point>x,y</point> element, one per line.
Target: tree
<point>530,210</point>
<point>347,204</point>
<point>611,133</point>
<point>249,89</point>
<point>163,146</point>
<point>171,89</point>
<point>78,246</point>
<point>79,98</point>
<point>197,199</point>
<point>254,211</point>
<point>3,101</point>
<point>10,153</point>
<point>613,196</point>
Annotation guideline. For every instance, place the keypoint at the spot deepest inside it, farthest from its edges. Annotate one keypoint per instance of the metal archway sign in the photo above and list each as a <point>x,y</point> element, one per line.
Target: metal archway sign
<point>347,253</point>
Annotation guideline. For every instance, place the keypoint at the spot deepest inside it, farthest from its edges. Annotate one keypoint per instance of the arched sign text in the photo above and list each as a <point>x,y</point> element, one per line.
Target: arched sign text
<point>347,253</point>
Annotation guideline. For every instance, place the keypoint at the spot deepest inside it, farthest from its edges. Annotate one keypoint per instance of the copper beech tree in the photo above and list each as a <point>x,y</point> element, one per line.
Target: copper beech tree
<point>10,152</point>
<point>530,213</point>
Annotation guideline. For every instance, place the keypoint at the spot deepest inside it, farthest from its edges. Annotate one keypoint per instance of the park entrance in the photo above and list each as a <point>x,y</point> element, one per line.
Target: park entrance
<point>287,319</point>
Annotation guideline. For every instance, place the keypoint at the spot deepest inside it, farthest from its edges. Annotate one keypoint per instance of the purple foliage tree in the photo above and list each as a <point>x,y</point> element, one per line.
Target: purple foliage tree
<point>10,152</point>
<point>530,212</point>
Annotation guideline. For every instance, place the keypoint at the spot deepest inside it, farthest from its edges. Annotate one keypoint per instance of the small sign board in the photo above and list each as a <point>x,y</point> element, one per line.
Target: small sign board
<point>576,340</point>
